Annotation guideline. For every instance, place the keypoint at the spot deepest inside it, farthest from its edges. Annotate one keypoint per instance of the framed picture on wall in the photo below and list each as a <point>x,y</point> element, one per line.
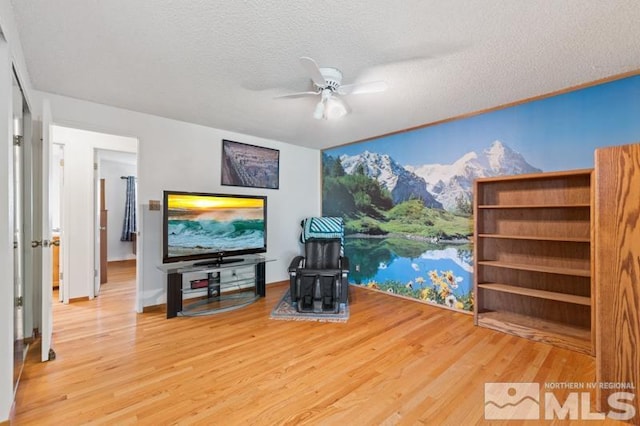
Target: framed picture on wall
<point>250,165</point>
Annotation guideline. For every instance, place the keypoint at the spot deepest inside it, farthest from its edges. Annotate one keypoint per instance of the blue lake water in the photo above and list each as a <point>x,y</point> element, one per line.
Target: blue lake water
<point>407,266</point>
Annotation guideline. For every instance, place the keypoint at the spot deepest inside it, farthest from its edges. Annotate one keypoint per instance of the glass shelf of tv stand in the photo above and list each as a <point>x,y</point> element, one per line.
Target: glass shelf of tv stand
<point>186,267</point>
<point>226,290</point>
<point>229,298</point>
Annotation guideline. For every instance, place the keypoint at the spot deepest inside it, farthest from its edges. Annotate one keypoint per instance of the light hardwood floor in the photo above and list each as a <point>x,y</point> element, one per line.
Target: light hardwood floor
<point>395,362</point>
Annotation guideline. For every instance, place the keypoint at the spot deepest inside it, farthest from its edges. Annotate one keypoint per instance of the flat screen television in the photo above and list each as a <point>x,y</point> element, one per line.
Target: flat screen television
<point>212,228</point>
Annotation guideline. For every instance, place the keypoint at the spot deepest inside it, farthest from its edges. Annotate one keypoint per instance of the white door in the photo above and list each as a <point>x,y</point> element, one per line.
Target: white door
<point>47,278</point>
<point>18,241</point>
<point>97,225</point>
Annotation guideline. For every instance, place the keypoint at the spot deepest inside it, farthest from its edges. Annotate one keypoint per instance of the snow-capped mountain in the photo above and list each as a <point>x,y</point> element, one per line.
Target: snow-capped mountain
<point>439,185</point>
<point>449,182</point>
<point>401,183</point>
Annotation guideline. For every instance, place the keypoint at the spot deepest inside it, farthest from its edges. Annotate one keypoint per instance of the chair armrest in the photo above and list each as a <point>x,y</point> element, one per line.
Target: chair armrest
<point>320,272</point>
<point>344,264</point>
<point>295,264</point>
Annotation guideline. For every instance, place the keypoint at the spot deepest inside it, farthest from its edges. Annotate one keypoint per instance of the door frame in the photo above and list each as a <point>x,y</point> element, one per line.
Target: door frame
<point>97,269</point>
<point>47,353</point>
<point>105,154</point>
<point>63,291</point>
<point>31,261</point>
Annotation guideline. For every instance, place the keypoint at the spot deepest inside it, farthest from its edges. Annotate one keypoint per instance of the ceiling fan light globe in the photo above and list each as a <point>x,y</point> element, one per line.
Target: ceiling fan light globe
<point>319,111</point>
<point>335,109</point>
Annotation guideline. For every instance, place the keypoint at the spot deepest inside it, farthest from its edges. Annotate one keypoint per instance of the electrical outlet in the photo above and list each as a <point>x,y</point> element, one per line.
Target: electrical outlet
<point>358,268</point>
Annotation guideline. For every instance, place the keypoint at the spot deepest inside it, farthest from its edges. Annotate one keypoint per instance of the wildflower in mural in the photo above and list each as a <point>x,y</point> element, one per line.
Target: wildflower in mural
<point>442,291</point>
<point>440,288</point>
<point>374,285</point>
<point>450,301</point>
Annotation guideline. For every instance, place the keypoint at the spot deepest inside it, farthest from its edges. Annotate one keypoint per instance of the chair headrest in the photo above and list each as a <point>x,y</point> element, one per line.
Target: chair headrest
<point>322,227</point>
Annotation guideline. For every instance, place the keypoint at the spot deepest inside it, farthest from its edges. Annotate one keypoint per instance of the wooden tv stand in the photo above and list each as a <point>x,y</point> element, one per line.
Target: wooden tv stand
<point>228,286</point>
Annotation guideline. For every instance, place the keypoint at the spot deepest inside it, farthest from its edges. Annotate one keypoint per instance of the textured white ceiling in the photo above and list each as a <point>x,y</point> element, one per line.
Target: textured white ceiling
<point>220,63</point>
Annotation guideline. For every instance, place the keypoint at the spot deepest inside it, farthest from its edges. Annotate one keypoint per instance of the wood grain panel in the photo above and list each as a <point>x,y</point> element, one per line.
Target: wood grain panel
<point>556,270</point>
<point>559,188</point>
<point>556,333</point>
<point>570,284</point>
<point>549,310</point>
<point>557,223</point>
<point>541,294</point>
<point>617,266</point>
<point>552,254</point>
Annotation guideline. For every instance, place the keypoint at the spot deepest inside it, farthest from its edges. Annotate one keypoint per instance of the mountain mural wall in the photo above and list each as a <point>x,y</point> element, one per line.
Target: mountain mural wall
<point>406,197</point>
<point>440,186</point>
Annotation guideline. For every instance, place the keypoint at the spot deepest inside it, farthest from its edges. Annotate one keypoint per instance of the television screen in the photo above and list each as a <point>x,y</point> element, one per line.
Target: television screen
<point>212,226</point>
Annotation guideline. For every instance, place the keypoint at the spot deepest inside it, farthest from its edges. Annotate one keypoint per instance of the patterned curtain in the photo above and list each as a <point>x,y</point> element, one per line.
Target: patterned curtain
<point>129,224</point>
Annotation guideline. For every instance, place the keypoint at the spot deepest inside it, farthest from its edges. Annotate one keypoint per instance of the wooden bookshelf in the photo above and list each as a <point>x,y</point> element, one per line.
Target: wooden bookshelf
<point>534,206</point>
<point>536,268</point>
<point>542,294</point>
<point>538,238</point>
<point>553,332</point>
<point>532,239</point>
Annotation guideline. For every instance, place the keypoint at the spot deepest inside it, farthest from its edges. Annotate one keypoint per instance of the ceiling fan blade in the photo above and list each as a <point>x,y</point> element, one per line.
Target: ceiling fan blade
<point>297,95</point>
<point>313,70</point>
<point>357,88</point>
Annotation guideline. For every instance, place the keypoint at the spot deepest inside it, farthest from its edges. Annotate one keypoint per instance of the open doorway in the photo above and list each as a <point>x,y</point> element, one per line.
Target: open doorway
<point>116,215</point>
<point>88,157</point>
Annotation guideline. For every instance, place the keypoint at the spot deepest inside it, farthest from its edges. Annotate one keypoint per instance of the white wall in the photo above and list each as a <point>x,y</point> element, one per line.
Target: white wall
<point>78,222</point>
<point>176,155</point>
<point>115,197</point>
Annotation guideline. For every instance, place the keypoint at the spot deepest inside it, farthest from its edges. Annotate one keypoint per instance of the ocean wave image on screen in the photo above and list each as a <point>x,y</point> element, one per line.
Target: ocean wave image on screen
<point>213,235</point>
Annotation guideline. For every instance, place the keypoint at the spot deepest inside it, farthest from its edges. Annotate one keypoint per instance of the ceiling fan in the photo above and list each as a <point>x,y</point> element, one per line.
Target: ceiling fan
<point>328,85</point>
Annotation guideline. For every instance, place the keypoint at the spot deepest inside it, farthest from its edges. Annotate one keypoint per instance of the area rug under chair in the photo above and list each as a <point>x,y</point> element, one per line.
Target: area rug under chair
<point>285,311</point>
